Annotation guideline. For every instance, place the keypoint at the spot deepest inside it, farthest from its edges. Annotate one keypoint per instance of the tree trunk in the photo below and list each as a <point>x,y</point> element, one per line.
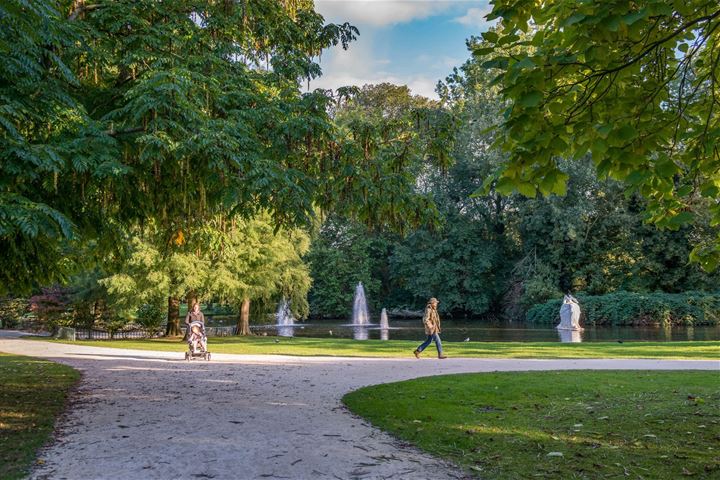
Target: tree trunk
<point>243,324</point>
<point>191,299</point>
<point>173,318</point>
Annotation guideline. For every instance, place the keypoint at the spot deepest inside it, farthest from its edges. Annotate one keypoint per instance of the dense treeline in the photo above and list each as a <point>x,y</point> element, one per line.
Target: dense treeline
<point>158,153</point>
<point>153,154</point>
<point>499,255</point>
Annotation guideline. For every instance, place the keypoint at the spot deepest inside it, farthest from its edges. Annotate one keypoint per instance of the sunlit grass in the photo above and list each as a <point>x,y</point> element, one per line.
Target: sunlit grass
<point>304,346</point>
<point>579,424</point>
<point>32,394</point>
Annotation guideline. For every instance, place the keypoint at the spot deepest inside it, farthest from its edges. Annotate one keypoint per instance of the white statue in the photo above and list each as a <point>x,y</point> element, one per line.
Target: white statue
<point>570,314</point>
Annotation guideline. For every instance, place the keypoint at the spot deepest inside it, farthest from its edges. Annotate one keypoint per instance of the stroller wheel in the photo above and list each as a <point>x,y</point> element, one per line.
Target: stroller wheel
<point>187,356</point>
<point>207,356</point>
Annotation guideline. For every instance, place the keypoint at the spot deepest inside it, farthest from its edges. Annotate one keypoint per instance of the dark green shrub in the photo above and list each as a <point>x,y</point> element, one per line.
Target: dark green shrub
<point>630,308</point>
<point>150,316</point>
<point>12,311</point>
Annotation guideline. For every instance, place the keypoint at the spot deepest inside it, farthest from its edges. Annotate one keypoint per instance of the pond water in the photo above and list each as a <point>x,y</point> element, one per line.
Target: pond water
<point>478,331</point>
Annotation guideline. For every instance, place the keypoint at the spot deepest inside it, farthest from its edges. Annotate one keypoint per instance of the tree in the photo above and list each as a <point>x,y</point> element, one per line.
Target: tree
<point>634,83</point>
<point>386,136</point>
<point>151,275</point>
<point>47,142</point>
<point>252,262</point>
<point>344,253</point>
<point>125,112</point>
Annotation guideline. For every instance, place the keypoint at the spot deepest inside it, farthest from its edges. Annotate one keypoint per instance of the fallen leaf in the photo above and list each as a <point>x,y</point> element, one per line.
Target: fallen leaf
<point>555,454</point>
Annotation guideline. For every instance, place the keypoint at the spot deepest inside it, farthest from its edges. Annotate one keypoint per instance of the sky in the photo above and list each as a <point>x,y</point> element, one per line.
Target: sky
<point>406,42</point>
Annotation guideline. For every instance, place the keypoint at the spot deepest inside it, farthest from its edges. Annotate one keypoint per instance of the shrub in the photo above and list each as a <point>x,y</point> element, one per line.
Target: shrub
<point>12,311</point>
<point>150,316</point>
<point>630,308</point>
<point>52,307</point>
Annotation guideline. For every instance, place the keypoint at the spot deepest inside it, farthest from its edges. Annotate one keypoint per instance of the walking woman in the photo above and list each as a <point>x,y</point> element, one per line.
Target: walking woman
<point>431,321</point>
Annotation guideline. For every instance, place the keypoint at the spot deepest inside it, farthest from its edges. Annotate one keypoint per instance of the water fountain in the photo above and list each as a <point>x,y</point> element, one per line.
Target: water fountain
<point>384,325</point>
<point>361,314</point>
<point>285,319</point>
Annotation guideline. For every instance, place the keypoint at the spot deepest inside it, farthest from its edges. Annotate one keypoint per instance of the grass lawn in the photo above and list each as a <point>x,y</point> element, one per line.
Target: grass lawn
<point>560,425</point>
<point>400,348</point>
<point>33,393</point>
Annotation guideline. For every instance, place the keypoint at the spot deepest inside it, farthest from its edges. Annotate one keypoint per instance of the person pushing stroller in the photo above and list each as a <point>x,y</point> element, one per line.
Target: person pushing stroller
<point>197,340</point>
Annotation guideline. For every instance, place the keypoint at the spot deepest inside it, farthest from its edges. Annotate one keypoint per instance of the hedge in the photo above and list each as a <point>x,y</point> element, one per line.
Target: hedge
<point>630,308</point>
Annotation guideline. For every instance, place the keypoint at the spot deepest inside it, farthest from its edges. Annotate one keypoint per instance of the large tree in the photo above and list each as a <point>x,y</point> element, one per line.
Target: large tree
<point>250,262</point>
<point>634,83</point>
<point>129,111</point>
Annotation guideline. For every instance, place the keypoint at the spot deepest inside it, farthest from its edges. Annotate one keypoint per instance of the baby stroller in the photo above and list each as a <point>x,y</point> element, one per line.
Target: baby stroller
<point>197,342</point>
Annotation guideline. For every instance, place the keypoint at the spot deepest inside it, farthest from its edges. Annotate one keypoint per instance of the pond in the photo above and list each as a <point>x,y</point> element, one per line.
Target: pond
<point>479,331</point>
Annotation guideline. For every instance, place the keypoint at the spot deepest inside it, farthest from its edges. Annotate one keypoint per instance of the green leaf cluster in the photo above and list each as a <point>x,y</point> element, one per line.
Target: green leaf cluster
<point>633,83</point>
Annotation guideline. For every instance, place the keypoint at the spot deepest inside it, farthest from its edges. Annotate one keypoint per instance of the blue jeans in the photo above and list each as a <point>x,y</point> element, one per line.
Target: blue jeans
<point>430,338</point>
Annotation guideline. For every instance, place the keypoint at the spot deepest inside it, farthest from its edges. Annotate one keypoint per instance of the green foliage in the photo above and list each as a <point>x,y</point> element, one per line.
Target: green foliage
<point>602,424</point>
<point>628,308</point>
<point>151,316</point>
<point>13,311</point>
<point>342,254</point>
<point>386,136</point>
<point>47,142</point>
<point>499,254</point>
<point>250,260</point>
<point>634,83</point>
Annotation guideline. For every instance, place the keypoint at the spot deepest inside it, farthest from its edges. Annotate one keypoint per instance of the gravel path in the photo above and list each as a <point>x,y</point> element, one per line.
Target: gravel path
<point>151,415</point>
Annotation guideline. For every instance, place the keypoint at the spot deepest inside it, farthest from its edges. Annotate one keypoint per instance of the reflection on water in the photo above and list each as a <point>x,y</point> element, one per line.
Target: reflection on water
<point>285,330</point>
<point>569,336</point>
<point>481,331</point>
<point>360,333</point>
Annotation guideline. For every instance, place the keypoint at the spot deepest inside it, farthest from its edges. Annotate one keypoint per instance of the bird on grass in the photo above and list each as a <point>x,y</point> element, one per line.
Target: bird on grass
<point>467,339</point>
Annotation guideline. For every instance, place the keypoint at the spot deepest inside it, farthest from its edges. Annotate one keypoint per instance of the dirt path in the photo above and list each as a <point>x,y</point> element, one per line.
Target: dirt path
<point>150,415</point>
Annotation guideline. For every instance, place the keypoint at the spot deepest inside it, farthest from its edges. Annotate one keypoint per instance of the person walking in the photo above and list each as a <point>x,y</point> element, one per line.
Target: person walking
<point>431,321</point>
<point>194,315</point>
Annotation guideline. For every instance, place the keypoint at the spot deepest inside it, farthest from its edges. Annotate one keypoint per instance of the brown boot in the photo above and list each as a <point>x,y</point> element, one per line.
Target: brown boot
<point>416,353</point>
<point>442,357</point>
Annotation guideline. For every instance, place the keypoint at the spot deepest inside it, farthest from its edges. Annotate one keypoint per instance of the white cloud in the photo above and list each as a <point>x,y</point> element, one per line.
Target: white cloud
<point>381,13</point>
<point>475,17</point>
<point>358,66</point>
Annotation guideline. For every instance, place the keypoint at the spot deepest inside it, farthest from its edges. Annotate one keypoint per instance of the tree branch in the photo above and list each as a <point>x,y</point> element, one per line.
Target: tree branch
<point>82,8</point>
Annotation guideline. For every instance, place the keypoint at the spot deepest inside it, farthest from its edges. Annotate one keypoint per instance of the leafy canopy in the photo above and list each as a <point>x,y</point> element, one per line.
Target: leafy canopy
<point>635,83</point>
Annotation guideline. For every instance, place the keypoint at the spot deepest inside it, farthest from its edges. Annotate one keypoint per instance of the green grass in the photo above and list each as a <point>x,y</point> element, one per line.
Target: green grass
<point>32,394</point>
<point>399,348</point>
<point>606,425</point>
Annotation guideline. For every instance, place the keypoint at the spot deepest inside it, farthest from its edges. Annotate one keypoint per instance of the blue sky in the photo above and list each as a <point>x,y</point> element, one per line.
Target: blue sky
<point>411,42</point>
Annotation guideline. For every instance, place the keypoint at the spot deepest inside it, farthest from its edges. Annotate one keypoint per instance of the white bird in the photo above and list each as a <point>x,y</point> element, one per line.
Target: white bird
<point>467,339</point>
<point>330,332</point>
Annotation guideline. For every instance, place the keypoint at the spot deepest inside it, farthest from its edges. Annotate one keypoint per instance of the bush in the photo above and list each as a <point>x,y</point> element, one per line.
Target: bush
<point>629,308</point>
<point>150,316</point>
<point>52,308</point>
<point>12,311</point>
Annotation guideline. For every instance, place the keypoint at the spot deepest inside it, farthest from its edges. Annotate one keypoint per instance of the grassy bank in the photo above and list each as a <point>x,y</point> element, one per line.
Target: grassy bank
<point>582,424</point>
<point>400,348</point>
<point>33,393</point>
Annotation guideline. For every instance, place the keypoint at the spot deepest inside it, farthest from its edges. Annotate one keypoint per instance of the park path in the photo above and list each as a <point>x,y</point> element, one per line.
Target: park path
<point>151,415</point>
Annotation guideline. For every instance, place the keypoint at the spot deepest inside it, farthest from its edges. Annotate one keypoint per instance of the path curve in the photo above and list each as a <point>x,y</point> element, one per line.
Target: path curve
<point>149,415</point>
